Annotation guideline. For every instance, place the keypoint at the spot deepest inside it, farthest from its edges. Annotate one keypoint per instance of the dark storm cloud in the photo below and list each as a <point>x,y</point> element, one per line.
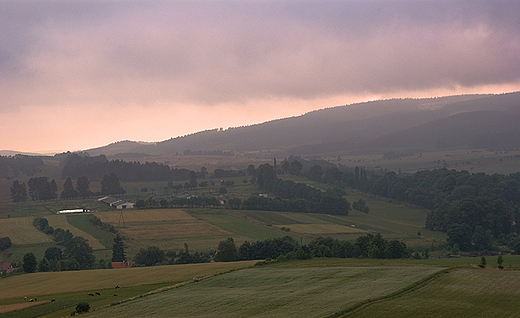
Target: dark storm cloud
<point>210,52</point>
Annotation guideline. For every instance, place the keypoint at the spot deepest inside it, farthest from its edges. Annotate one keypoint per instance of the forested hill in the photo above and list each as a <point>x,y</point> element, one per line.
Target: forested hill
<point>374,124</point>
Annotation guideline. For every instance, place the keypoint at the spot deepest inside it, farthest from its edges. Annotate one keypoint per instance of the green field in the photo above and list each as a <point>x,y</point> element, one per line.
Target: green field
<point>102,236</point>
<point>275,292</point>
<point>461,293</point>
<point>69,288</point>
<point>473,160</point>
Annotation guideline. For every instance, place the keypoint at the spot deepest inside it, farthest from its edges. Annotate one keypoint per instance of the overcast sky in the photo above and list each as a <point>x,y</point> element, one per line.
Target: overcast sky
<point>81,74</point>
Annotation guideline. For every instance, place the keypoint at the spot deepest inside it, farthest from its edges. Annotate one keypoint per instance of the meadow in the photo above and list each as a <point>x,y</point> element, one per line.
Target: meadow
<point>275,292</point>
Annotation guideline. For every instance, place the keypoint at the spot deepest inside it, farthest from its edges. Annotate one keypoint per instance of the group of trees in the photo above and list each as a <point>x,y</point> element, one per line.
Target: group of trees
<point>300,196</point>
<point>40,188</point>
<point>5,243</point>
<point>97,167</point>
<point>153,255</point>
<point>78,253</point>
<point>368,246</point>
<point>82,188</point>
<point>476,210</point>
<point>12,166</point>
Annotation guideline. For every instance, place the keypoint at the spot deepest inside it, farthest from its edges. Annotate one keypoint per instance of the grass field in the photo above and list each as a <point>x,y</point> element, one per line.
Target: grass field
<point>275,292</point>
<point>475,160</point>
<point>69,288</point>
<point>60,221</point>
<point>81,222</point>
<point>164,228</point>
<point>22,231</point>
<point>460,293</point>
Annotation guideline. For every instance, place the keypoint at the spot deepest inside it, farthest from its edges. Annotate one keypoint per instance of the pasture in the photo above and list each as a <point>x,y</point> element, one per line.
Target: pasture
<point>275,292</point>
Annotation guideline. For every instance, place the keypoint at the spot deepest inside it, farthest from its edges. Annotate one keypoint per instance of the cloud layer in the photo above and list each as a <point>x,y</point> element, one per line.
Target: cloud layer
<point>205,54</point>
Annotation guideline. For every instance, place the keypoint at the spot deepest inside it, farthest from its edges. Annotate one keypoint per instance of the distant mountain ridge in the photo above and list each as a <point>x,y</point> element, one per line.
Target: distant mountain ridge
<point>395,123</point>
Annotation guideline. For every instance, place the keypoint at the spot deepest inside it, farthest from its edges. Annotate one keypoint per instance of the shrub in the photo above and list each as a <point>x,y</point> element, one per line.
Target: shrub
<point>82,307</point>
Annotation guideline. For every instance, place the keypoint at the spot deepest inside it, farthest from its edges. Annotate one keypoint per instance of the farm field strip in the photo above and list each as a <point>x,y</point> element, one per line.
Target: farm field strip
<point>144,215</point>
<point>22,231</point>
<point>322,228</point>
<point>269,217</point>
<point>48,283</point>
<point>60,221</point>
<point>81,222</point>
<point>241,226</point>
<point>275,292</point>
<point>461,293</point>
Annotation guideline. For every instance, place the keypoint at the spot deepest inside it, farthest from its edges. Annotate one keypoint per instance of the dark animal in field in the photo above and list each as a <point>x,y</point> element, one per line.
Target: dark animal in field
<point>31,300</point>
<point>53,300</point>
<point>90,294</point>
<point>98,293</point>
<point>117,286</point>
<point>115,295</point>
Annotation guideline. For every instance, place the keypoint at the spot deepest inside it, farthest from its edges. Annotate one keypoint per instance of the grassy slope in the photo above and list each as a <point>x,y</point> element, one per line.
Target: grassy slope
<point>461,293</point>
<point>275,292</point>
<point>69,288</point>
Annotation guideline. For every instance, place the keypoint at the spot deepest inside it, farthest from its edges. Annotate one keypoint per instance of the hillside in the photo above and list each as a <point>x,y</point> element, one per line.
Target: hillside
<point>376,124</point>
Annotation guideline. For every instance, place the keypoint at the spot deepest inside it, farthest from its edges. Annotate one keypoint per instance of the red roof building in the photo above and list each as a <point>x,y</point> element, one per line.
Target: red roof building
<point>125,264</point>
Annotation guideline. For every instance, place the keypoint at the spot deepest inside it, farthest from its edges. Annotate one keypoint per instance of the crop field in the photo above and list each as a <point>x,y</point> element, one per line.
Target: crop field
<point>321,228</point>
<point>460,293</point>
<point>164,228</point>
<point>60,221</point>
<point>275,292</point>
<point>22,231</point>
<point>131,216</point>
<point>246,230</point>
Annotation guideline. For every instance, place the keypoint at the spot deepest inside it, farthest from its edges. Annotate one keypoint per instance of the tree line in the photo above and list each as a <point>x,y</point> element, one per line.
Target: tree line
<point>478,211</point>
<point>98,166</point>
<point>286,248</point>
<point>294,196</point>
<point>12,166</point>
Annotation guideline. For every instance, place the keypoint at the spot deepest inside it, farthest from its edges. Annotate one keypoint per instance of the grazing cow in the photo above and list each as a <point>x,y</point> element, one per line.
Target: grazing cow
<point>31,300</point>
<point>117,286</point>
<point>115,295</point>
<point>90,294</point>
<point>53,300</point>
<point>35,299</point>
<point>25,298</point>
<point>98,293</point>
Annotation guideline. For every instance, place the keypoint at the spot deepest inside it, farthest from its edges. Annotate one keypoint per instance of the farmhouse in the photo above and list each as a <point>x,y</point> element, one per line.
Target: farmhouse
<point>117,203</point>
<point>125,264</point>
<point>6,267</point>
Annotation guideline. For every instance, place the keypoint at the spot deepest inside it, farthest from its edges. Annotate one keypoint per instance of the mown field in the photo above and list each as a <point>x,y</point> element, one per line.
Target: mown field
<point>460,293</point>
<point>164,228</point>
<point>275,292</point>
<point>69,288</point>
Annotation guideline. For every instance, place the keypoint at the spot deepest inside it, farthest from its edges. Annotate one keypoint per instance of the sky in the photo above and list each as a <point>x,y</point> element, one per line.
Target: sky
<point>82,74</point>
